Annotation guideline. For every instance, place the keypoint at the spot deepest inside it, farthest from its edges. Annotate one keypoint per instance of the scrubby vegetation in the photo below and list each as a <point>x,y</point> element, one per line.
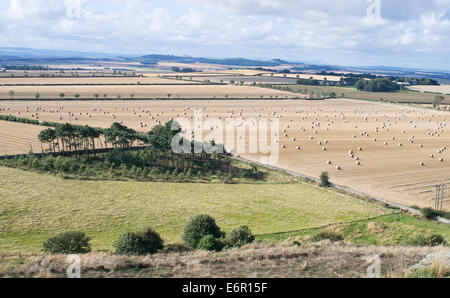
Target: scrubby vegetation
<point>142,243</point>
<point>68,243</point>
<point>209,242</point>
<point>327,235</point>
<point>426,239</point>
<point>431,214</point>
<point>239,237</point>
<point>324,180</point>
<point>198,227</point>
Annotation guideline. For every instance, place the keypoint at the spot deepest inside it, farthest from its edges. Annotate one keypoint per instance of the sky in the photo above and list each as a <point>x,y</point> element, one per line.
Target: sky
<point>403,33</point>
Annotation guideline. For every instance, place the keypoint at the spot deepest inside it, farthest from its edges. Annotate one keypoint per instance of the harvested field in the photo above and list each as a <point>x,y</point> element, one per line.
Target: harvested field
<point>143,91</point>
<point>248,79</point>
<point>18,138</point>
<point>56,74</point>
<point>307,76</point>
<point>445,89</point>
<point>394,140</point>
<point>90,81</point>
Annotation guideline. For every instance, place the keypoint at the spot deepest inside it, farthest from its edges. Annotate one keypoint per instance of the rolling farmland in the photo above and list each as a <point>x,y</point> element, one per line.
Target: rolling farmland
<point>403,149</point>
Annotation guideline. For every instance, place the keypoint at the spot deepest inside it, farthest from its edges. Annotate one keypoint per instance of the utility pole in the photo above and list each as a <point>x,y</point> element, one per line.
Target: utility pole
<point>440,191</point>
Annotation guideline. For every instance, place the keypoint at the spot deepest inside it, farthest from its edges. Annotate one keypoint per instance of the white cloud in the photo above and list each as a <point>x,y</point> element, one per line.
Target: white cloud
<point>336,31</point>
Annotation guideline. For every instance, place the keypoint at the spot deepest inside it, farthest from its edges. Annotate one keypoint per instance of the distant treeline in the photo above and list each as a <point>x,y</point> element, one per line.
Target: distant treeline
<point>352,78</point>
<point>178,69</point>
<point>25,67</point>
<point>154,59</point>
<point>417,81</point>
<point>377,85</point>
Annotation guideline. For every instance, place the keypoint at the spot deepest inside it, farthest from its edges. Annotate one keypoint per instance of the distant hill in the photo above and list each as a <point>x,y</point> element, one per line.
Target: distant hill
<point>154,58</point>
<point>27,56</point>
<point>27,53</point>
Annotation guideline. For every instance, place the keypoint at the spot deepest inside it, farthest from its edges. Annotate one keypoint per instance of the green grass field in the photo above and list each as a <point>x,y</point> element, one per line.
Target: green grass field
<point>34,207</point>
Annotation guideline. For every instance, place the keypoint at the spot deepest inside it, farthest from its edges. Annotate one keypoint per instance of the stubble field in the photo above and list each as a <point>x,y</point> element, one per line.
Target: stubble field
<point>143,91</point>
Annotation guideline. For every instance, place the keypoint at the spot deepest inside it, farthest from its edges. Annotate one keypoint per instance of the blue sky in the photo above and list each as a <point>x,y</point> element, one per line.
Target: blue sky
<point>406,33</point>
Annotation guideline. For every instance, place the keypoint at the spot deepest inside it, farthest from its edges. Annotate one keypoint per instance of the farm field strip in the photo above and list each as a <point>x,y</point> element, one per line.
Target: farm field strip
<point>90,81</point>
<point>144,91</point>
<point>444,89</point>
<point>307,76</point>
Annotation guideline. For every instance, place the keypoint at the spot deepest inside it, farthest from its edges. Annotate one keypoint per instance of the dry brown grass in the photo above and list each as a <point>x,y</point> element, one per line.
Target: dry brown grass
<point>318,260</point>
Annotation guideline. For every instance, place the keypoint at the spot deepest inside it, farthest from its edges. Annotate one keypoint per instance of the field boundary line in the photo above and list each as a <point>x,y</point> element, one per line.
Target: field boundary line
<point>341,187</point>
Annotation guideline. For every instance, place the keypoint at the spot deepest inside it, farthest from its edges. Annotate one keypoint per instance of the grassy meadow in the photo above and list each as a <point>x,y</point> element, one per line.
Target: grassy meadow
<point>37,206</point>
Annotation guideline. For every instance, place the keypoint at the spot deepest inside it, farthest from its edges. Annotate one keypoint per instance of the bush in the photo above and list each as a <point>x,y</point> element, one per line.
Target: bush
<point>68,243</point>
<point>431,214</point>
<point>433,239</point>
<point>36,164</point>
<point>330,235</point>
<point>239,237</point>
<point>143,243</point>
<point>128,244</point>
<point>198,227</point>
<point>324,180</point>
<point>210,243</point>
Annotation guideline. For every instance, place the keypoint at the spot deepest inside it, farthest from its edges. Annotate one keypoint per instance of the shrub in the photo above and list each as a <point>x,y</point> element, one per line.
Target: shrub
<point>324,179</point>
<point>198,227</point>
<point>143,243</point>
<point>430,213</point>
<point>127,244</point>
<point>210,243</point>
<point>36,164</point>
<point>330,235</point>
<point>239,237</point>
<point>68,243</point>
<point>422,239</point>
